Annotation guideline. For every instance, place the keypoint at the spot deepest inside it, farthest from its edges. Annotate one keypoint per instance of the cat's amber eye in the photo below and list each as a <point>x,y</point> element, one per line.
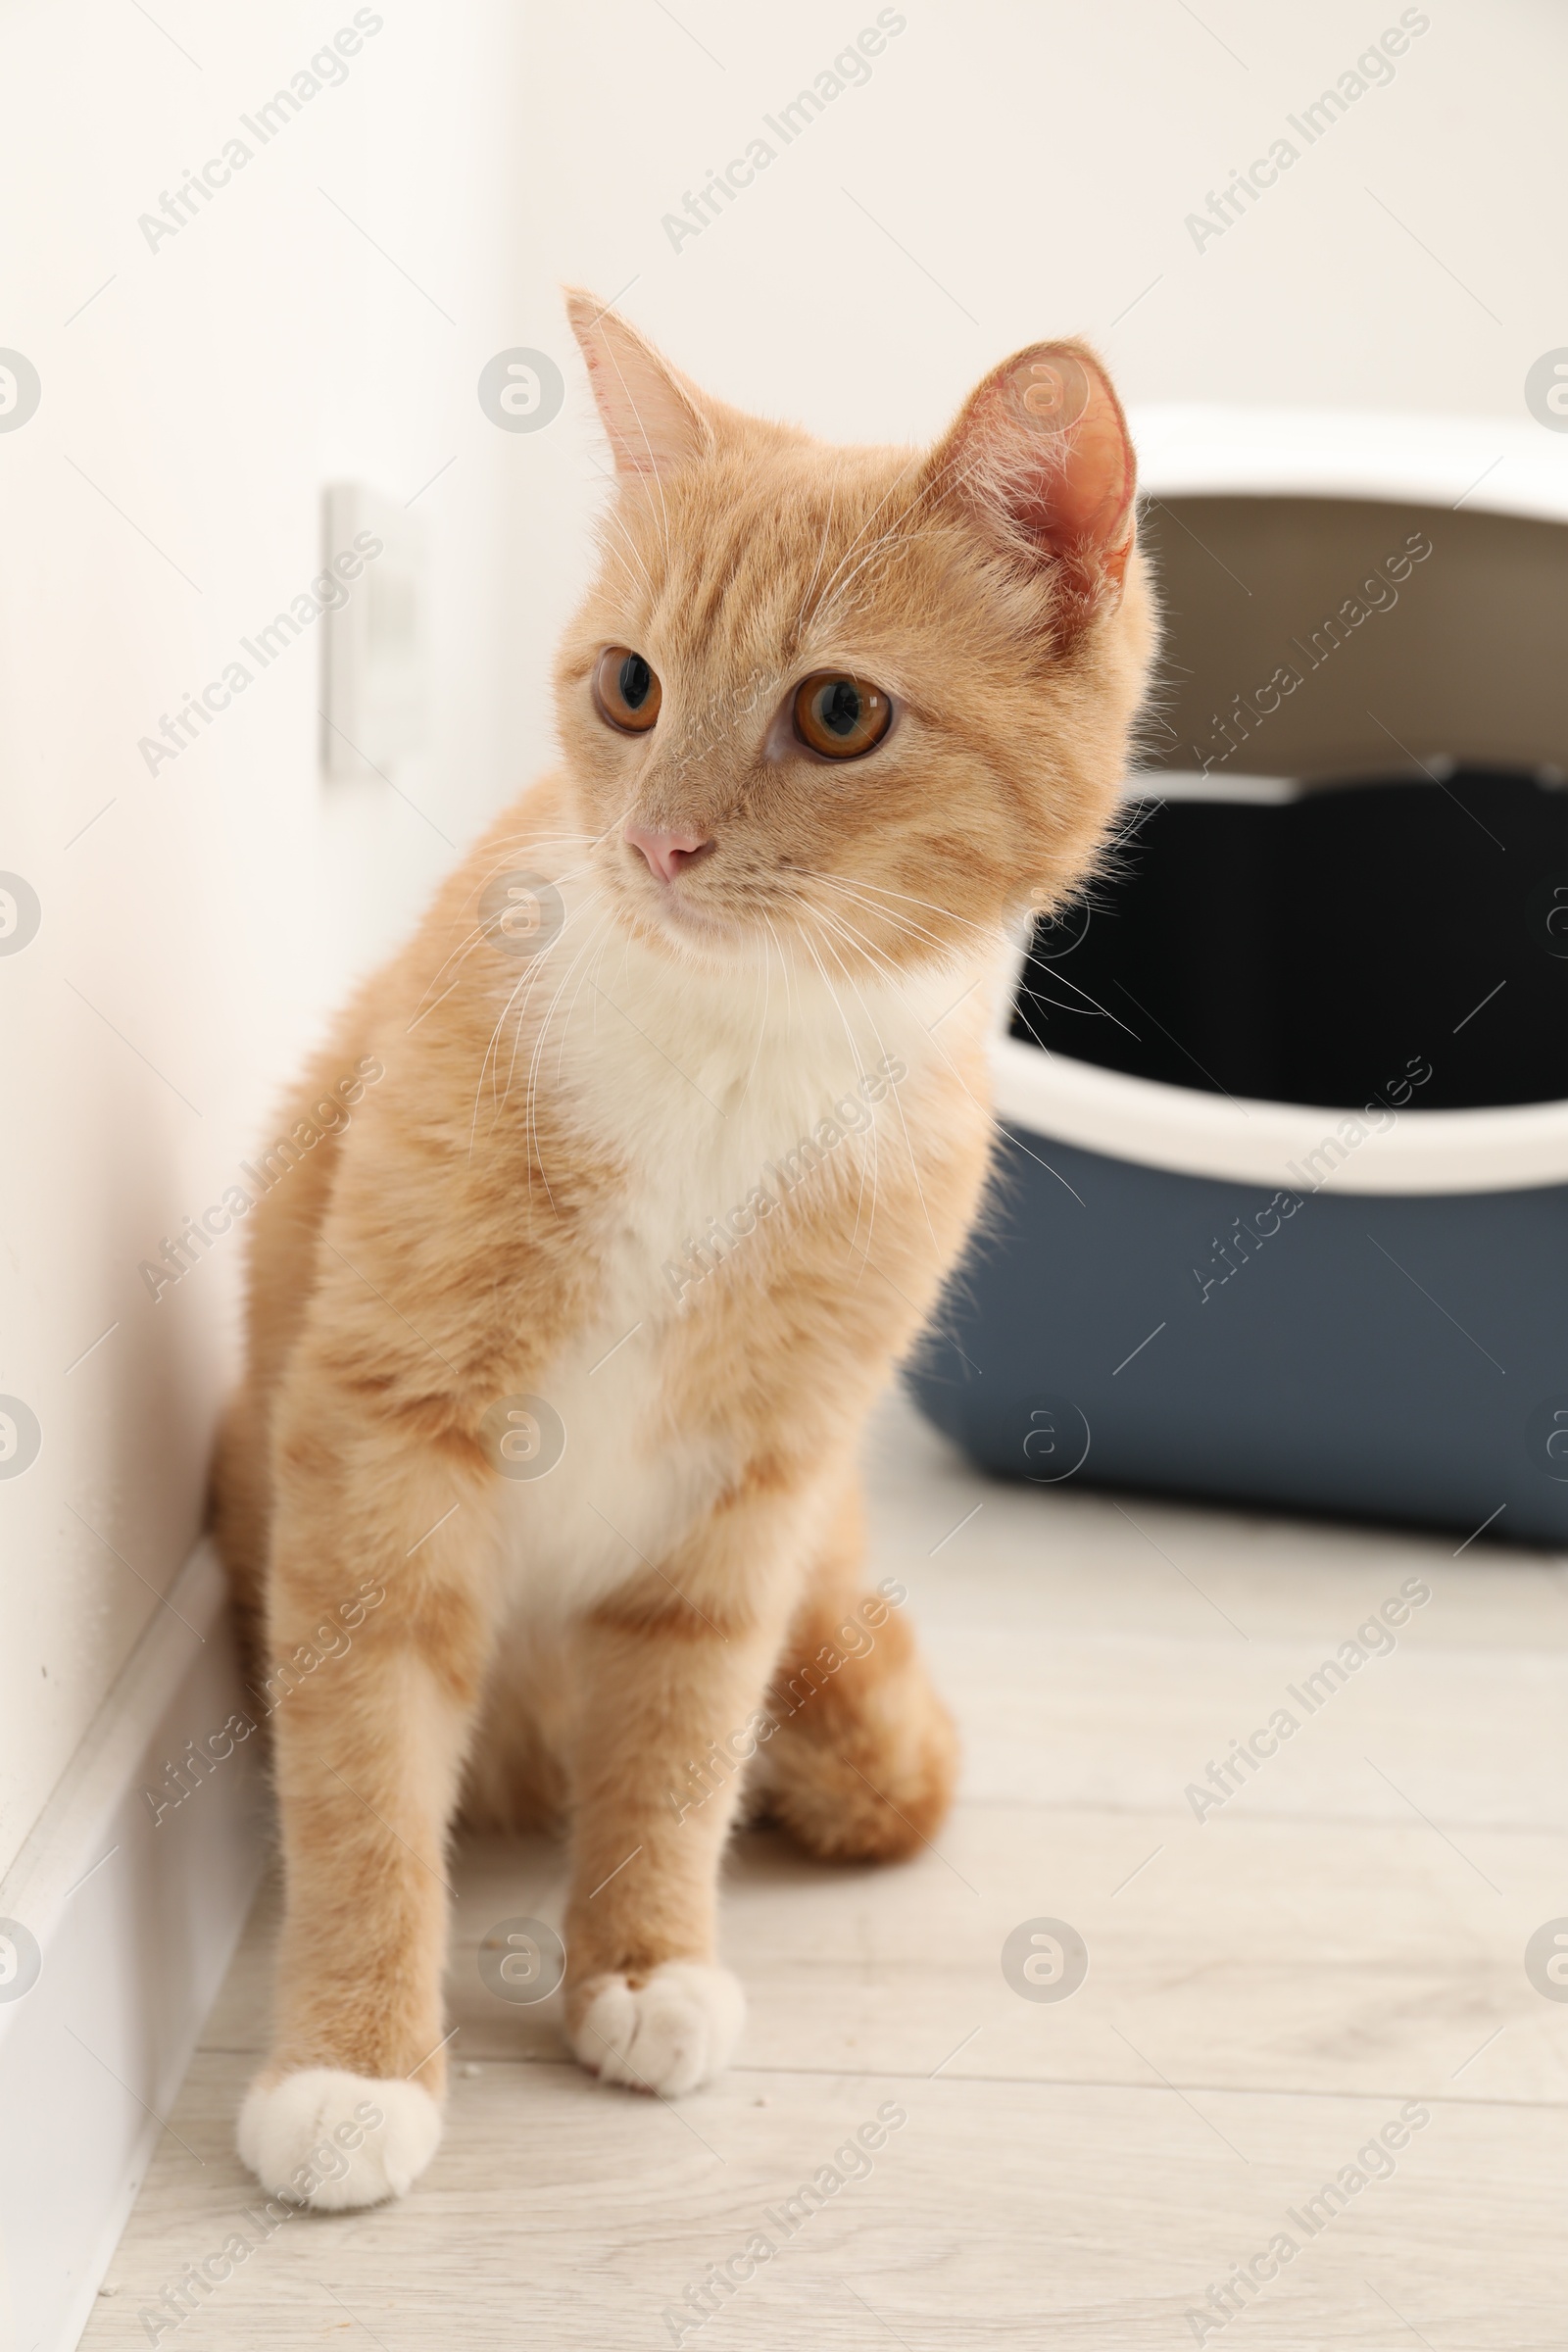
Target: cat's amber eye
<point>626,690</point>
<point>841,717</point>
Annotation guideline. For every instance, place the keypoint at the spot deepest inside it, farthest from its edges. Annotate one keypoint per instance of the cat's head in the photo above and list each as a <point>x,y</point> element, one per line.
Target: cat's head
<point>865,704</point>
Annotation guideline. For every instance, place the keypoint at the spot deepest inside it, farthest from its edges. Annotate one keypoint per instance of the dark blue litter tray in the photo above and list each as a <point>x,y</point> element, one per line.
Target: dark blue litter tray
<point>1385,1356</point>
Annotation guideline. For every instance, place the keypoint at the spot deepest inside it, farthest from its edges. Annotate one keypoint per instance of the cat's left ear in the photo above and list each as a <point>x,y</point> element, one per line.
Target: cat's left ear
<point>1042,457</point>
<point>654,418</point>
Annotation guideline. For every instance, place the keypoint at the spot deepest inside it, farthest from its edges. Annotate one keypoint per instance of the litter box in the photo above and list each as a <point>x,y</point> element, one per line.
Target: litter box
<point>1280,1212</point>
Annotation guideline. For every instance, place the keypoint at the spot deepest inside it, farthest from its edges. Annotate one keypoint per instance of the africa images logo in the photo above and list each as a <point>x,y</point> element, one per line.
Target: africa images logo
<point>1546,390</point>
<point>850,70</point>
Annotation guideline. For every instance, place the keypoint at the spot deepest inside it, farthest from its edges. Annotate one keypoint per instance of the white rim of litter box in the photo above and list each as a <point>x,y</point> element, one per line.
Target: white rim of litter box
<point>1180,1130</point>
<point>1193,451</point>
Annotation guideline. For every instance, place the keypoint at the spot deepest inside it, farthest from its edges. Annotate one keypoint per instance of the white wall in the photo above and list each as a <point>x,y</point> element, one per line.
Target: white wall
<point>1038,159</point>
<point>1007,171</point>
<point>211,913</point>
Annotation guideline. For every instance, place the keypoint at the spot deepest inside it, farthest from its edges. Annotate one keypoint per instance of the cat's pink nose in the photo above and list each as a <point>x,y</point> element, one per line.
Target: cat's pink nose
<point>666,853</point>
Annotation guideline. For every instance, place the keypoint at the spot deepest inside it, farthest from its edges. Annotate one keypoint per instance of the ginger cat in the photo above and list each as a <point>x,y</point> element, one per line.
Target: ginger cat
<point>565,1343</point>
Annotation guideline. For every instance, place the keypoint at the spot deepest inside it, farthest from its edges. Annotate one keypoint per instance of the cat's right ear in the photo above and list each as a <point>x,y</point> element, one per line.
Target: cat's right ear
<point>1041,459</point>
<point>656,420</point>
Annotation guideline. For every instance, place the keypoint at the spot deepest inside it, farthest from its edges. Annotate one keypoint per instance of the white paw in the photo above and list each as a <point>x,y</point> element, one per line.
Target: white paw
<point>667,2035</point>
<point>334,2141</point>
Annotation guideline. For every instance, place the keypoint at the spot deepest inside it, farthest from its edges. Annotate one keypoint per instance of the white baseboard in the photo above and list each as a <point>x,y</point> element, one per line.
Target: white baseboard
<point>136,1921</point>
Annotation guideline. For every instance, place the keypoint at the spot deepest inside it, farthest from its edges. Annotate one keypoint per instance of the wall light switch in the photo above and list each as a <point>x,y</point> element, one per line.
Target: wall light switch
<point>373,644</point>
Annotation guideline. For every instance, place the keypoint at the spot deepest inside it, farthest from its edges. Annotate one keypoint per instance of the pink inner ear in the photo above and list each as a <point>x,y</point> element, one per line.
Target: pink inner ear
<point>647,410</point>
<point>1052,439</point>
<point>1089,488</point>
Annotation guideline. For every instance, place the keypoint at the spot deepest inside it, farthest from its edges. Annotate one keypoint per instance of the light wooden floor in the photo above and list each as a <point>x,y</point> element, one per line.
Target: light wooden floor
<point>1265,1990</point>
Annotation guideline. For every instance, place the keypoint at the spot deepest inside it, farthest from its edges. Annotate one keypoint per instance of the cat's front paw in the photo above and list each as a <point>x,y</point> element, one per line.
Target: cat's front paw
<point>334,2141</point>
<point>667,2034</point>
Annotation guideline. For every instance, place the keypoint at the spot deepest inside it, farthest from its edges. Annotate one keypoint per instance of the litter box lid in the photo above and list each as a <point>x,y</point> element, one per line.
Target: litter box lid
<point>1493,465</point>
<point>1469,464</point>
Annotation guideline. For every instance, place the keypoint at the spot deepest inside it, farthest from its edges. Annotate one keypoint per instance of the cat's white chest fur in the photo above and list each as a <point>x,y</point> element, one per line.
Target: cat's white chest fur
<point>704,1093</point>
